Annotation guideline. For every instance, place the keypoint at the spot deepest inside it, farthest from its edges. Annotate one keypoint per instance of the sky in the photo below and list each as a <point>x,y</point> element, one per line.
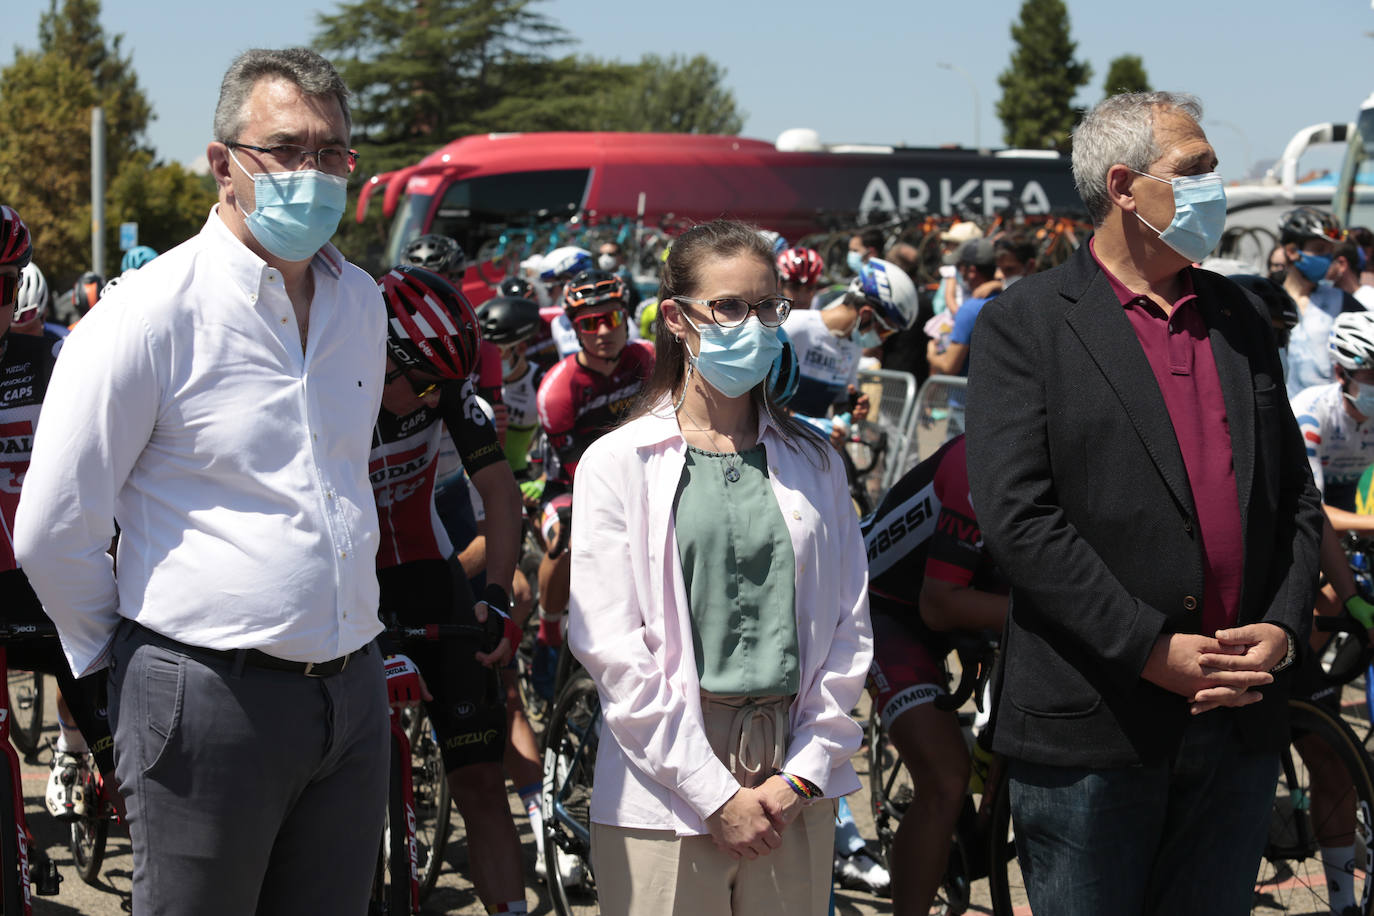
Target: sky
<point>855,74</point>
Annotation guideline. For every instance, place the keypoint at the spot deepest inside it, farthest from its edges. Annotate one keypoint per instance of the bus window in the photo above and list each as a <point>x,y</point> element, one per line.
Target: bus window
<point>1354,200</point>
<point>410,217</point>
<point>475,210</point>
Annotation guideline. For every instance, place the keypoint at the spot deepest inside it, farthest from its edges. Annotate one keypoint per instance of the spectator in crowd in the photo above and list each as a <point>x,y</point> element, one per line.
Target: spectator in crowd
<point>863,246</point>
<point>1364,237</point>
<point>1347,262</point>
<point>977,262</point>
<point>1306,240</point>
<point>725,698</point>
<point>1156,609</point>
<point>219,407</point>
<point>1015,256</point>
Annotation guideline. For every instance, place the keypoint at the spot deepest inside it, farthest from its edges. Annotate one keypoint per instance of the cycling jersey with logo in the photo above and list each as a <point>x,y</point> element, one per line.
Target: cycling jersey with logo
<point>402,469</point>
<point>1338,447</point>
<point>827,364</point>
<point>577,405</point>
<point>521,397</point>
<point>25,367</point>
<point>925,527</point>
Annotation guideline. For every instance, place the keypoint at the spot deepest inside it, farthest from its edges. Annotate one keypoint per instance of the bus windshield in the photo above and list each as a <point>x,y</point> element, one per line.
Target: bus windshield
<point>1354,201</point>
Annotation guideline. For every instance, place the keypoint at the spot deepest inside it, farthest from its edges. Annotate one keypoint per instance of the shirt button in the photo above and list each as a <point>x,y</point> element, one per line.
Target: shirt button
<point>253,297</point>
<point>796,514</point>
<point>1187,526</point>
<point>344,555</point>
<point>283,321</point>
<point>1189,603</point>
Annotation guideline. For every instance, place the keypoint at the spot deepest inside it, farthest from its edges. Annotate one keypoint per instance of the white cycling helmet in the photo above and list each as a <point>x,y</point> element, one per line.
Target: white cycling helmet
<point>1352,340</point>
<point>889,291</point>
<point>564,262</point>
<point>32,298</point>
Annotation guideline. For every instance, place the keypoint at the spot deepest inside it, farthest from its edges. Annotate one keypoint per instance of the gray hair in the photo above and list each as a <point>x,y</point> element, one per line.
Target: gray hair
<point>1120,130</point>
<point>312,73</point>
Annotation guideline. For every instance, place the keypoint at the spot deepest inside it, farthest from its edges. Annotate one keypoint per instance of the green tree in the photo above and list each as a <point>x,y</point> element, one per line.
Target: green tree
<point>681,95</point>
<point>1126,74</point>
<point>1038,86</point>
<point>46,97</point>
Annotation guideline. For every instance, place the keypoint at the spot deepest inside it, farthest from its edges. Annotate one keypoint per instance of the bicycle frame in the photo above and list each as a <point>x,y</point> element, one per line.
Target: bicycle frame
<point>402,742</point>
<point>20,825</point>
<point>554,808</point>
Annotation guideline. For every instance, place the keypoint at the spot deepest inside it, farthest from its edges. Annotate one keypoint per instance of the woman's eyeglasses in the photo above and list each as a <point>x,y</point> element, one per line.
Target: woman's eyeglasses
<point>731,312</point>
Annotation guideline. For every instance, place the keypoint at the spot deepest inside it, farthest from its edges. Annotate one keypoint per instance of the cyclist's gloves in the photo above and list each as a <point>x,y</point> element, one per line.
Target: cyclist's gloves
<point>560,544</point>
<point>499,624</point>
<point>532,490</point>
<point>1361,610</point>
<point>403,684</point>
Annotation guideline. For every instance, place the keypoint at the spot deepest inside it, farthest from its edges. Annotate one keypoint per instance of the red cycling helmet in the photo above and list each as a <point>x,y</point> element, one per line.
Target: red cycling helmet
<point>16,247</point>
<point>800,265</point>
<point>594,289</point>
<point>430,325</point>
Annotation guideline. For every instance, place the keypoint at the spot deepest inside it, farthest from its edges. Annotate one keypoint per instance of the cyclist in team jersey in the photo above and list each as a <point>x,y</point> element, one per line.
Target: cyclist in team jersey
<point>584,396</point>
<point>927,575</point>
<point>26,363</point>
<point>800,270</point>
<point>432,338</point>
<point>31,308</point>
<point>509,323</point>
<point>558,267</point>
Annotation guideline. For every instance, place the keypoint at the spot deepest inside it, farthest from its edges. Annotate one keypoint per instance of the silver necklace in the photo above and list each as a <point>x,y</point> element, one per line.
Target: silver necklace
<point>730,461</point>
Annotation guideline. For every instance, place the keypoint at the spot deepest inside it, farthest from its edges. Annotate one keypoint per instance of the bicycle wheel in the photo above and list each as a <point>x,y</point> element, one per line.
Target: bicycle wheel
<point>12,885</point>
<point>26,710</point>
<point>569,762</point>
<point>1323,750</point>
<point>890,790</point>
<point>88,836</point>
<point>1005,884</point>
<point>391,884</point>
<point>429,783</point>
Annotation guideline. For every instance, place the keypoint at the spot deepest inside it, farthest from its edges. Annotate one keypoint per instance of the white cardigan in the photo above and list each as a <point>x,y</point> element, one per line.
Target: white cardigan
<point>629,625</point>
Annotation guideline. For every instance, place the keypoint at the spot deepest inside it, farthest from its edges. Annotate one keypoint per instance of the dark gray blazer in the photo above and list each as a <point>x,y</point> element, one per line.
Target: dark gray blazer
<point>1084,502</point>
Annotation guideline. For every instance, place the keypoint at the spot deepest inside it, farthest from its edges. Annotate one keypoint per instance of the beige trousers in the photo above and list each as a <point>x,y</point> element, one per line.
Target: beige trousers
<point>657,873</point>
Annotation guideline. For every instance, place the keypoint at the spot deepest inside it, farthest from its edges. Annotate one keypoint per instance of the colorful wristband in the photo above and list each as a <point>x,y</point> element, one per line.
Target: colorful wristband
<point>800,786</point>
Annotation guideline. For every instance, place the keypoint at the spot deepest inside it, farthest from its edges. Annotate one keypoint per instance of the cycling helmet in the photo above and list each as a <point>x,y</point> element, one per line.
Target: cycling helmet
<point>507,319</point>
<point>16,246</point>
<point>1304,223</point>
<point>1352,340</point>
<point>594,288</point>
<point>800,265</point>
<point>785,373</point>
<point>135,258</point>
<point>87,292</point>
<point>564,262</point>
<point>438,253</point>
<point>774,240</point>
<point>32,300</point>
<point>890,292</point>
<point>516,288</point>
<point>1282,309</point>
<point>431,326</point>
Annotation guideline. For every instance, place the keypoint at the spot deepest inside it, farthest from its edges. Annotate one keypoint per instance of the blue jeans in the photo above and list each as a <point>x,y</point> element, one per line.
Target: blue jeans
<point>1177,837</point>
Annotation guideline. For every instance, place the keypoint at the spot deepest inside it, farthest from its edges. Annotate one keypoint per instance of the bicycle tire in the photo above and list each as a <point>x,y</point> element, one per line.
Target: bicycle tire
<point>433,812</point>
<point>1007,889</point>
<point>391,884</point>
<point>26,710</point>
<point>87,839</point>
<point>569,763</point>
<point>1291,875</point>
<point>11,881</point>
<point>890,790</point>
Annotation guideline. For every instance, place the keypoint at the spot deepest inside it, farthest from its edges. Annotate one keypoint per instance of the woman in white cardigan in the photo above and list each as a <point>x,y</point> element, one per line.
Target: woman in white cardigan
<point>719,601</point>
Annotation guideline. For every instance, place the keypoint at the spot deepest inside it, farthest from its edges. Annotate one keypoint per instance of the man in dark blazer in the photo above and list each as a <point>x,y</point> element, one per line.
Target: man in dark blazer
<point>1139,478</point>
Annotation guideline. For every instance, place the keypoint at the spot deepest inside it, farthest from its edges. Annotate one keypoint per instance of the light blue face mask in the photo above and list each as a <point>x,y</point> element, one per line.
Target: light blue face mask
<point>1363,399</point>
<point>296,213</point>
<point>734,360</point>
<point>866,340</point>
<point>854,260</point>
<point>1199,214</point>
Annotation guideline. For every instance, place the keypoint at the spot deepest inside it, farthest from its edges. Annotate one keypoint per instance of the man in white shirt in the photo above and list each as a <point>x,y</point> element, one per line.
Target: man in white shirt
<point>219,406</point>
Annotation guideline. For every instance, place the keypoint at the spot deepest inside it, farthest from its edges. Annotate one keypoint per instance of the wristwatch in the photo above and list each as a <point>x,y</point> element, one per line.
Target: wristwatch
<point>1289,656</point>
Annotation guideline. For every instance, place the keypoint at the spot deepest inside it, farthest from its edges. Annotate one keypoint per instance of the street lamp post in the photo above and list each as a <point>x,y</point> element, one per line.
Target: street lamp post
<point>977,109</point>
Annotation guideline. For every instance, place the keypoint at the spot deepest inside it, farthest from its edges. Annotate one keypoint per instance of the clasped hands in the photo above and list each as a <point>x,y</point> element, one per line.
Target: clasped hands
<point>750,824</point>
<point>1221,671</point>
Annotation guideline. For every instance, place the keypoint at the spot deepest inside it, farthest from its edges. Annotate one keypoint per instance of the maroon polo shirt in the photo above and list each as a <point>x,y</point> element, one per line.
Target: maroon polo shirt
<point>1180,354</point>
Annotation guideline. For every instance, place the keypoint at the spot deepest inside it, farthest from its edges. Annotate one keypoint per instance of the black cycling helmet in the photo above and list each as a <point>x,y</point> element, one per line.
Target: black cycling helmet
<point>87,292</point>
<point>594,289</point>
<point>430,325</point>
<point>516,288</point>
<point>1303,223</point>
<point>438,253</point>
<point>507,320</point>
<point>1283,311</point>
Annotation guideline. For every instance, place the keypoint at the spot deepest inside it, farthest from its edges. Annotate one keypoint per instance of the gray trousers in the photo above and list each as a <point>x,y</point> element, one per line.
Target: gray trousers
<point>249,790</point>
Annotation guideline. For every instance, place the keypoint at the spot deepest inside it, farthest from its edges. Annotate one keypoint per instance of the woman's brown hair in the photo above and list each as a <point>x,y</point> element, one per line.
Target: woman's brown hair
<point>717,240</point>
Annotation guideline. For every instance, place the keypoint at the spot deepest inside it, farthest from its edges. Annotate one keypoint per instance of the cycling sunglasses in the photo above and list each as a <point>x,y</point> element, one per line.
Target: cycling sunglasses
<point>592,323</point>
<point>422,390</point>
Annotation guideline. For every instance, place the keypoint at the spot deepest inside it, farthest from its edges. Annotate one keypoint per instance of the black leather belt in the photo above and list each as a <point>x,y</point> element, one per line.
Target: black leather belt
<point>256,658</point>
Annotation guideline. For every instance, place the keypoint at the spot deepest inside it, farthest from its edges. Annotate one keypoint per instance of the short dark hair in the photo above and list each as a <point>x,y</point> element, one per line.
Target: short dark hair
<point>872,238</point>
<point>1351,252</point>
<point>312,73</point>
<point>1018,246</point>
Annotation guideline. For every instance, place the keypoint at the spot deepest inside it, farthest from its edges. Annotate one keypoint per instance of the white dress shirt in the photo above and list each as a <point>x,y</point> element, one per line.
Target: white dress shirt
<point>235,465</point>
<point>628,623</point>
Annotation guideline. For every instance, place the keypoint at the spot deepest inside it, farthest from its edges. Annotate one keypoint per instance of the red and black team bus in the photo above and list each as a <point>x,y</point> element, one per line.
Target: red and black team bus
<point>478,186</point>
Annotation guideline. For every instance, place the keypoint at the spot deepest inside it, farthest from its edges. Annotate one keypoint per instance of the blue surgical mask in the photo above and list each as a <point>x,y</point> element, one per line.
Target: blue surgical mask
<point>296,213</point>
<point>866,340</point>
<point>1363,399</point>
<point>1313,267</point>
<point>854,260</point>
<point>1199,214</point>
<point>734,360</point>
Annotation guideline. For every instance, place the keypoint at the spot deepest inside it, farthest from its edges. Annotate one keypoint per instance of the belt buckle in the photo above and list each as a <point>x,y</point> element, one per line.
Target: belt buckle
<point>310,670</point>
<point>311,666</point>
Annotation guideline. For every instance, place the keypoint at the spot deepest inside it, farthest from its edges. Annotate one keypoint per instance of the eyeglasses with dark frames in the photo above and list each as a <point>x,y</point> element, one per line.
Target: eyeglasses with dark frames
<point>730,312</point>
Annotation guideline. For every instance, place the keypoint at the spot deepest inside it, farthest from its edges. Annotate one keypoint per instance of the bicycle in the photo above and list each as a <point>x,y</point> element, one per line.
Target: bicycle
<point>24,869</point>
<point>26,697</point>
<point>418,811</point>
<point>982,845</point>
<point>570,745</point>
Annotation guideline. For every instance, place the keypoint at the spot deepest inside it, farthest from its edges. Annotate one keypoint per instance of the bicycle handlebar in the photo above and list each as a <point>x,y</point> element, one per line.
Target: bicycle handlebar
<point>15,632</point>
<point>975,663</point>
<point>434,632</point>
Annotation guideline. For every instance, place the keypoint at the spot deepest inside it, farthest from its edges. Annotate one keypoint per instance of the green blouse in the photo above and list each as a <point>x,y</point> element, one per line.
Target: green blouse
<point>740,574</point>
